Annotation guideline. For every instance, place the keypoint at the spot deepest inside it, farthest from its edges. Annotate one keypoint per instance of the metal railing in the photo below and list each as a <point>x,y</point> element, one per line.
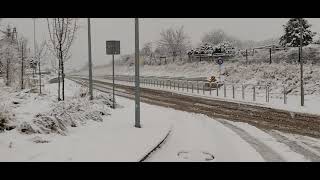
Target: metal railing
<point>196,85</point>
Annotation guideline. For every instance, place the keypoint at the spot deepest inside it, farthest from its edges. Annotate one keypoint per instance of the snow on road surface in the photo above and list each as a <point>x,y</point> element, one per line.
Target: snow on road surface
<point>197,137</point>
<point>312,102</point>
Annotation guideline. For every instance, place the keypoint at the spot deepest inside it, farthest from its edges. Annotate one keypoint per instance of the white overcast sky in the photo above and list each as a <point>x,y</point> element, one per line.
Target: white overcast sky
<point>123,29</point>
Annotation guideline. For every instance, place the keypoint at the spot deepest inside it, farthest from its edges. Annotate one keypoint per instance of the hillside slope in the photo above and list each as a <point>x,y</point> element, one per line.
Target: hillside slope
<point>284,70</point>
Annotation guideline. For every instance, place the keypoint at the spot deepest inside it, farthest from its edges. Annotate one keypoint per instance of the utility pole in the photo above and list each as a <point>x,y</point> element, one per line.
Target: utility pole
<point>113,98</point>
<point>301,64</point>
<point>137,88</point>
<point>90,60</point>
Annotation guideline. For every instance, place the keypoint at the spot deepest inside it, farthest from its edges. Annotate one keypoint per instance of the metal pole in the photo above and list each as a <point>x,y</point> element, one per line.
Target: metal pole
<point>266,93</point>
<point>301,65</point>
<point>284,95</point>
<point>203,88</point>
<point>137,99</point>
<point>191,87</point>
<point>217,88</point>
<point>187,86</point>
<point>246,55</point>
<point>224,89</point>
<point>233,91</point>
<point>198,87</point>
<point>242,92</point>
<point>113,82</point>
<point>270,57</point>
<point>254,93</point>
<point>90,63</point>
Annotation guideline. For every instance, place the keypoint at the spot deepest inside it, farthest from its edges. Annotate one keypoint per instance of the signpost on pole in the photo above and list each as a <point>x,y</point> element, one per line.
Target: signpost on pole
<point>220,62</point>
<point>137,88</point>
<point>112,48</point>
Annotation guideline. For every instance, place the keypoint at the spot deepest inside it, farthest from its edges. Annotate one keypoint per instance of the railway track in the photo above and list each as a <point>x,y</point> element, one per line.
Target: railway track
<point>261,117</point>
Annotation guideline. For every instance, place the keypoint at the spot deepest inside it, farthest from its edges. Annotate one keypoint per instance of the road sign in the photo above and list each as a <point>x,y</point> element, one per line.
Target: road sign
<point>220,61</point>
<point>113,47</point>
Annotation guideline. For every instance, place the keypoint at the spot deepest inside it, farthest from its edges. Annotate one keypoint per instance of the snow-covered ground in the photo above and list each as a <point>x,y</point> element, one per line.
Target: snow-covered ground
<point>275,75</point>
<point>193,137</point>
<point>113,139</point>
<point>197,137</point>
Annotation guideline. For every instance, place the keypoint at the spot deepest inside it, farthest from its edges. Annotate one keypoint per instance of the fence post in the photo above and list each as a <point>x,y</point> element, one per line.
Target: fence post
<point>191,87</point>
<point>174,84</point>
<point>284,95</point>
<point>254,93</point>
<point>217,88</point>
<point>178,85</point>
<point>210,89</point>
<point>266,93</point>
<point>182,86</point>
<point>170,84</point>
<point>198,87</point>
<point>187,86</point>
<point>203,86</point>
<point>233,91</point>
<point>242,87</point>
<point>224,89</point>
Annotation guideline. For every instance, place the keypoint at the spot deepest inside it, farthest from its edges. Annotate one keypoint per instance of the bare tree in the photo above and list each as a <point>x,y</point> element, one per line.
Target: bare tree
<point>174,41</point>
<point>146,51</point>
<point>22,48</point>
<point>62,33</point>
<point>41,51</point>
<point>218,36</point>
<point>8,52</point>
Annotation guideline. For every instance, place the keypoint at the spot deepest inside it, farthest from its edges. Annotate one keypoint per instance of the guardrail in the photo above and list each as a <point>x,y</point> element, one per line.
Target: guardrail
<point>200,85</point>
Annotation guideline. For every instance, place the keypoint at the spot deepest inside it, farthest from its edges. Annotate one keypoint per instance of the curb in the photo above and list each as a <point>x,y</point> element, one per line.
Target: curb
<point>155,148</point>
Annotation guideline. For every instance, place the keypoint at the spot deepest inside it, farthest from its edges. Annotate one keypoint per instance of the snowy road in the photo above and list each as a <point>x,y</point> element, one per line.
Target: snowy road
<point>197,137</point>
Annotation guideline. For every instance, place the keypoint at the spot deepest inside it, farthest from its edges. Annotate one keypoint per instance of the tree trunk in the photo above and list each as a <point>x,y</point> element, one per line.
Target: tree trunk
<point>22,67</point>
<point>59,99</point>
<point>8,61</point>
<point>39,77</point>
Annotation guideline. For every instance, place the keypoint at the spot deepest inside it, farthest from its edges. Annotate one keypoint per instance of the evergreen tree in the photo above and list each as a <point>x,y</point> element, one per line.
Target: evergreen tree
<point>291,38</point>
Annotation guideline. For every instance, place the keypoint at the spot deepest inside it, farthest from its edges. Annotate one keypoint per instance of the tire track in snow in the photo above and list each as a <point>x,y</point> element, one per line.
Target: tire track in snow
<point>294,146</point>
<point>265,151</point>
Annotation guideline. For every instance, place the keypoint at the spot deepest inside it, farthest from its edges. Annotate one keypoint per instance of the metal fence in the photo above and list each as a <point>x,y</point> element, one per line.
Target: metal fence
<point>200,86</point>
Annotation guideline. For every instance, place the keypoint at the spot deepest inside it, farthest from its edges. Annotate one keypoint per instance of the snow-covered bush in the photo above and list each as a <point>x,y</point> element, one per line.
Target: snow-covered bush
<point>6,119</point>
<point>69,113</point>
